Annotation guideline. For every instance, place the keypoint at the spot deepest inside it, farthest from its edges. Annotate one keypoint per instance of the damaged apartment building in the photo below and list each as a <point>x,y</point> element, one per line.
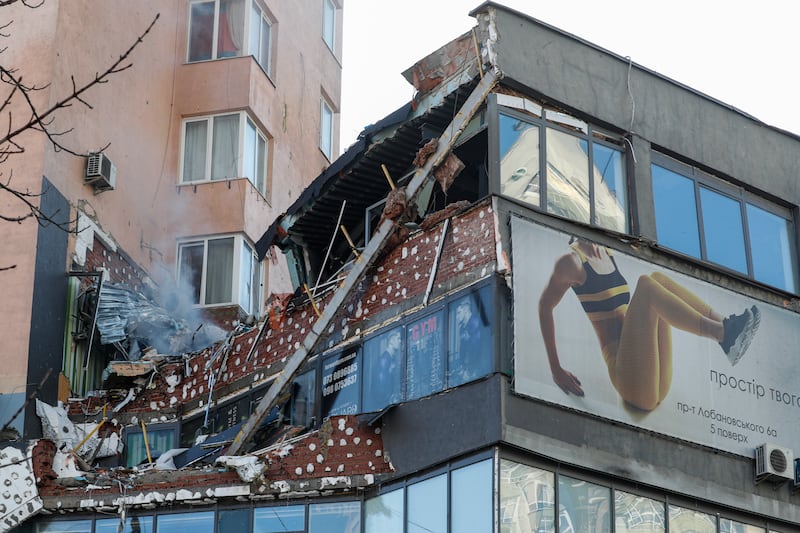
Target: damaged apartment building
<point>556,291</point>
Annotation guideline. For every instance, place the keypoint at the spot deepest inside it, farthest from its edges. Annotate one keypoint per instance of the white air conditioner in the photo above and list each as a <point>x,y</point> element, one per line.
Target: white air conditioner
<point>774,463</point>
<point>100,172</point>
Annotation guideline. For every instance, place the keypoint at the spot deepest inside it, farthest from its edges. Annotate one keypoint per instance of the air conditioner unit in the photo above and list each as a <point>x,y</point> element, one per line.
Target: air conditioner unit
<point>100,172</point>
<point>774,463</point>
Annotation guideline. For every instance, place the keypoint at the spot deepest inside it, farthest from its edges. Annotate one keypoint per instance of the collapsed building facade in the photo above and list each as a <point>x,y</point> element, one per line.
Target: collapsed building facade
<point>555,292</point>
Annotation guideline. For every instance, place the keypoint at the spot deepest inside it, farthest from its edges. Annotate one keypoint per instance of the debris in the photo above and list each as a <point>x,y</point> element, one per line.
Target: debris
<point>248,467</point>
<point>131,368</point>
<point>395,204</point>
<point>448,170</point>
<point>57,427</point>
<point>126,315</point>
<point>19,499</point>
<point>425,152</point>
<point>434,218</point>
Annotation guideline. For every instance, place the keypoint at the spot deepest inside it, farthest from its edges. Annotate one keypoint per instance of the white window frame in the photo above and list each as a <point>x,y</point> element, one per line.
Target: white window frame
<point>244,121</point>
<point>326,134</point>
<point>245,50</point>
<point>265,63</point>
<point>329,24</point>
<point>239,241</point>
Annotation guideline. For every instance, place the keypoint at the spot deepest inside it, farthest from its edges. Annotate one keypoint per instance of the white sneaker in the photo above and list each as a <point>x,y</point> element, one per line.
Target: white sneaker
<point>739,331</point>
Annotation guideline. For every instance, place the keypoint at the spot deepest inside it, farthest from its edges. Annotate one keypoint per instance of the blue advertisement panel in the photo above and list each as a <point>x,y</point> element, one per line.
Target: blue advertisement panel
<point>603,332</point>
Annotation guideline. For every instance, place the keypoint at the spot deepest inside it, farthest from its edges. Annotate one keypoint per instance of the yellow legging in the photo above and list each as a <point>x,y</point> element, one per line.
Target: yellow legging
<point>640,365</point>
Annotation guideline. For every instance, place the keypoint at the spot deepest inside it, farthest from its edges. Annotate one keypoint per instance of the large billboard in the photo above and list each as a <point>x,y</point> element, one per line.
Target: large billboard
<point>603,332</point>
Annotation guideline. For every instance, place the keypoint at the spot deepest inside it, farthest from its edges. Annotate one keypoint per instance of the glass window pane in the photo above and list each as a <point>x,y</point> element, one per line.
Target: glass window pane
<point>219,275</point>
<point>328,22</point>
<point>264,54</point>
<point>567,176</point>
<point>190,268</point>
<point>65,526</point>
<point>676,211</point>
<point>722,229</point>
<point>194,151</point>
<point>246,278</point>
<point>231,28</point>
<point>471,498</point>
<point>326,130</point>
<point>261,165</point>
<point>772,248</point>
<point>519,159</point>
<point>201,31</point>
<point>327,517</point>
<point>133,524</point>
<point>634,513</point>
<point>384,514</point>
<point>202,522</point>
<point>254,39</point>
<point>425,363</point>
<point>383,370</point>
<point>471,355</point>
<point>279,519</point>
<point>340,384</point>
<point>731,526</point>
<point>159,441</point>
<point>225,149</point>
<point>427,506</point>
<point>527,499</point>
<point>233,520</point>
<point>303,399</point>
<point>683,520</point>
<point>583,506</point>
<point>250,156</point>
<point>610,188</point>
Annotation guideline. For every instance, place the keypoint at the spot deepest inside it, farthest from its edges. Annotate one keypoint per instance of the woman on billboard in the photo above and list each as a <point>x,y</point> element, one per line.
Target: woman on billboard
<point>634,330</point>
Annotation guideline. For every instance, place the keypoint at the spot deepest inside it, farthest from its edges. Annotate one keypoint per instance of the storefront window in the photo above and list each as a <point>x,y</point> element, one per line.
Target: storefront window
<point>328,517</point>
<point>279,519</point>
<point>683,520</point>
<point>527,498</point>
<point>634,513</point>
<point>471,497</point>
<point>583,506</point>
<point>385,514</point>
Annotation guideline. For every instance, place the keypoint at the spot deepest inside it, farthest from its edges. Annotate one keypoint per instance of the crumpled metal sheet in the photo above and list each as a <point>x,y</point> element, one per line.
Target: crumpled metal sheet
<point>124,314</point>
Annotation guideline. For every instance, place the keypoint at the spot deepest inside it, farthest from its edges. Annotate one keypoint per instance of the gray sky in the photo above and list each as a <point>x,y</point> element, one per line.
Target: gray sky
<point>741,53</point>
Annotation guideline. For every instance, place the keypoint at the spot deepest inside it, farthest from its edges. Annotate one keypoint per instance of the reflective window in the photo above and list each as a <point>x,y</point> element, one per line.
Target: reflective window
<point>340,384</point>
<point>527,499</point>
<point>584,171</point>
<point>634,513</point>
<point>329,23</point>
<point>383,370</point>
<point>732,526</point>
<point>326,129</point>
<point>683,520</point>
<point>425,362</point>
<point>568,176</point>
<point>384,514</point>
<point>133,524</point>
<point>427,506</point>
<point>700,216</point>
<point>159,440</point>
<point>722,230</point>
<point>260,37</point>
<point>303,399</point>
<point>344,517</point>
<point>674,194</point>
<point>471,503</point>
<point>202,522</point>
<point>233,520</point>
<point>773,249</point>
<point>65,526</point>
<point>279,519</point>
<point>583,506</point>
<point>471,355</point>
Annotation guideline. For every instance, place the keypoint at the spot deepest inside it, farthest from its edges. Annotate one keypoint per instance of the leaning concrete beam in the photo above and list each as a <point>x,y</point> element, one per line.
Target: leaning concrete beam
<point>362,264</point>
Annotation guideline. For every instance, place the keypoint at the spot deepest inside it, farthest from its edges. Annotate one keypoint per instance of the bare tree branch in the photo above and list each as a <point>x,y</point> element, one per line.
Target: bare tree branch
<point>42,121</point>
